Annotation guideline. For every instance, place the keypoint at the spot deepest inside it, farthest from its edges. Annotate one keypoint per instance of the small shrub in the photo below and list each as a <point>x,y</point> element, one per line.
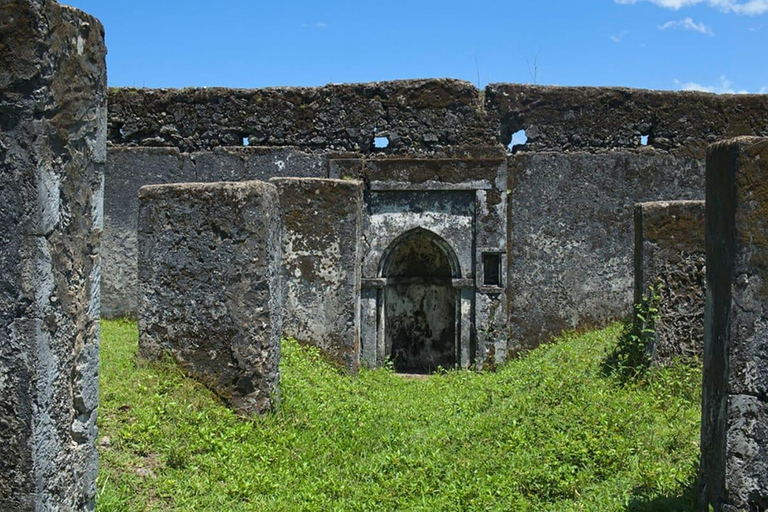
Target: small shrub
<point>631,358</point>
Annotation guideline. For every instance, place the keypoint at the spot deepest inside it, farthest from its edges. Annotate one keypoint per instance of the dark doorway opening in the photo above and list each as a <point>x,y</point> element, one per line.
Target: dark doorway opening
<point>420,303</point>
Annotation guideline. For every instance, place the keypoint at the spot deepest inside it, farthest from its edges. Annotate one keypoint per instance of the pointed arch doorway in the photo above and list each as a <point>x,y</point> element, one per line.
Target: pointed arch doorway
<point>421,317</point>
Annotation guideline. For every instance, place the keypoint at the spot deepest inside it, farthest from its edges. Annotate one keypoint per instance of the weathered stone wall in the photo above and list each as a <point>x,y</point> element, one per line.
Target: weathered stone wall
<point>321,264</point>
<point>130,168</point>
<point>425,116</point>
<point>670,257</point>
<point>571,234</point>
<point>571,187</point>
<point>734,439</point>
<point>415,115</point>
<point>210,286</point>
<point>598,118</point>
<point>52,153</point>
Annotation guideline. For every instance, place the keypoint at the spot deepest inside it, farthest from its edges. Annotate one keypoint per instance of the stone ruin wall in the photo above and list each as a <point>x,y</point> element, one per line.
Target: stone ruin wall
<point>670,257</point>
<point>52,155</point>
<point>211,290</point>
<point>734,417</point>
<point>570,192</point>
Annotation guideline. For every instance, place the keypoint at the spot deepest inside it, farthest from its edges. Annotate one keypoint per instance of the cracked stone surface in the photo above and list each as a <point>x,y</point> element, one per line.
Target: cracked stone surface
<point>670,254</point>
<point>210,292</point>
<point>734,441</point>
<point>52,155</point>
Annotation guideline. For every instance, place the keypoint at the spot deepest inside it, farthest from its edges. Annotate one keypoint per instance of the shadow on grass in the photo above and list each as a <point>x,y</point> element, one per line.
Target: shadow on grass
<point>643,499</point>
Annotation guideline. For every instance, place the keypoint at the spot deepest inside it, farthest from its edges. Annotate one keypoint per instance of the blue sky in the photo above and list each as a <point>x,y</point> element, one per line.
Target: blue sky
<point>718,45</point>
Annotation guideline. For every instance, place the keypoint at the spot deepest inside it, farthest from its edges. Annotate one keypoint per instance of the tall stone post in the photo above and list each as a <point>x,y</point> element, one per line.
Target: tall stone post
<point>734,436</point>
<point>52,155</point>
<point>211,293</point>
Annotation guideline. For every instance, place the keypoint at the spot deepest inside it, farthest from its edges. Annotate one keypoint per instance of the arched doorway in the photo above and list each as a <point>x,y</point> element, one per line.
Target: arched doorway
<point>420,302</point>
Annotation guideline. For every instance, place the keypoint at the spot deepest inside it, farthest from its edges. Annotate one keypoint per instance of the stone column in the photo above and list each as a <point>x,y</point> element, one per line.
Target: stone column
<point>734,436</point>
<point>52,154</point>
<point>210,290</point>
<point>670,256</point>
<point>321,264</point>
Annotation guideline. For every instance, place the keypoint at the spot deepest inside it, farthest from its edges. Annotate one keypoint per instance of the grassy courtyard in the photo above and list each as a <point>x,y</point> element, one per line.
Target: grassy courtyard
<point>547,431</point>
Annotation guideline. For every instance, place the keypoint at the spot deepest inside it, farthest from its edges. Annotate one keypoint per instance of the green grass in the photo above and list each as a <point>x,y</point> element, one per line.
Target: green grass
<point>546,432</point>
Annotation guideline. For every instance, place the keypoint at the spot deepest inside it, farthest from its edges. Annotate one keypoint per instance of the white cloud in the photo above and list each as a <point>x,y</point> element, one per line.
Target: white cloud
<point>746,7</point>
<point>764,89</point>
<point>321,25</point>
<point>618,38</point>
<point>724,87</point>
<point>688,24</point>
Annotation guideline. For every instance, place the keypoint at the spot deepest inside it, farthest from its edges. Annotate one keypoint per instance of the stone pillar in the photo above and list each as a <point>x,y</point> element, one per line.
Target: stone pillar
<point>321,264</point>
<point>670,255</point>
<point>210,291</point>
<point>734,436</point>
<point>52,154</point>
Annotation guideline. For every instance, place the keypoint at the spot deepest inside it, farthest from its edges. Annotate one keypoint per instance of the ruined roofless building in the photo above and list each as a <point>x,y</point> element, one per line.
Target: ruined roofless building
<point>450,250</point>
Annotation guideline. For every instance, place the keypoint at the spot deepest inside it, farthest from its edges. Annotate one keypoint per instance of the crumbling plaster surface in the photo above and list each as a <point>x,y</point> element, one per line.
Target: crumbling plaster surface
<point>734,441</point>
<point>52,155</point>
<point>571,234</point>
<point>321,264</point>
<point>670,257</point>
<point>211,292</point>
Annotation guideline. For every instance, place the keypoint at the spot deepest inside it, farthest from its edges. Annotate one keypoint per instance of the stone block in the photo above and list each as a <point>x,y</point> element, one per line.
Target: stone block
<point>670,256</point>
<point>734,440</point>
<point>52,155</point>
<point>321,265</point>
<point>210,286</point>
<point>129,169</point>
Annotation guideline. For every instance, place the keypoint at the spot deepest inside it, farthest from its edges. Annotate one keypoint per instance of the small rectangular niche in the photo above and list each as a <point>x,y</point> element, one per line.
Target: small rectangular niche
<point>492,269</point>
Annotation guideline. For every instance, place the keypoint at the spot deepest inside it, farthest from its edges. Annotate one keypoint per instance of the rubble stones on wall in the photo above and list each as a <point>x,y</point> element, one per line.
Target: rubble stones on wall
<point>52,153</point>
<point>432,116</point>
<point>734,441</point>
<point>596,118</point>
<point>570,224</point>
<point>670,257</point>
<point>414,115</point>
<point>130,168</point>
<point>321,264</point>
<point>210,286</point>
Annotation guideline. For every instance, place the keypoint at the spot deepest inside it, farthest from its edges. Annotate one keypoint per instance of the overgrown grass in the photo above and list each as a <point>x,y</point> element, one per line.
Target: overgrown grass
<point>546,432</point>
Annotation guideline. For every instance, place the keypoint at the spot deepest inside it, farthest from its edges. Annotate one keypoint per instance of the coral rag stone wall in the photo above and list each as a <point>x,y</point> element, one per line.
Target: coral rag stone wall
<point>670,256</point>
<point>734,439</point>
<point>415,115</point>
<point>571,188</point>
<point>52,154</point>
<point>598,118</point>
<point>571,234</point>
<point>130,168</point>
<point>211,294</point>
<point>321,264</point>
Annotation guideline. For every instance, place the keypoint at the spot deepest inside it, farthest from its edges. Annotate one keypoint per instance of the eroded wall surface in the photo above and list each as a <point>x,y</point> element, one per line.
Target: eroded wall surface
<point>52,154</point>
<point>130,168</point>
<point>734,440</point>
<point>571,234</point>
<point>321,264</point>
<point>567,194</point>
<point>210,286</point>
<point>670,263</point>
